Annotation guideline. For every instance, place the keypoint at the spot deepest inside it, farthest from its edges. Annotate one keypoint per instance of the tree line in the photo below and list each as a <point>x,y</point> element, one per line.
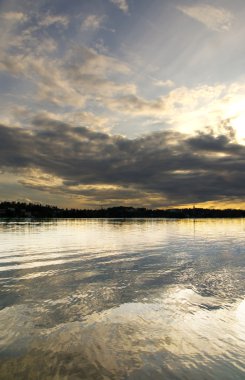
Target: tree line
<point>33,210</point>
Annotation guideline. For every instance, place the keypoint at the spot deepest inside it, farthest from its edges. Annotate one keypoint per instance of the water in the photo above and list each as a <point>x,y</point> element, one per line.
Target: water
<point>114,299</point>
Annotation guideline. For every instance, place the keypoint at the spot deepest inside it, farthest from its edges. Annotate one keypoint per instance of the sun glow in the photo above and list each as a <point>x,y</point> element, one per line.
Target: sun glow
<point>239,125</point>
<point>236,114</point>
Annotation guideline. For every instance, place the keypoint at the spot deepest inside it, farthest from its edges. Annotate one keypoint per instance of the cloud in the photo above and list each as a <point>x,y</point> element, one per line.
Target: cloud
<point>49,20</point>
<point>53,75</point>
<point>136,105</point>
<point>84,77</point>
<point>158,169</point>
<point>92,22</point>
<point>69,82</point>
<point>167,83</point>
<point>182,99</point>
<point>90,62</point>
<point>214,18</point>
<point>16,17</point>
<point>121,4</point>
<point>187,108</point>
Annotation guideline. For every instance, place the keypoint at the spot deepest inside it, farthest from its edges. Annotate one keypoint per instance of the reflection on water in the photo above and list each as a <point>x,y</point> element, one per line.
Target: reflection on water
<point>114,299</point>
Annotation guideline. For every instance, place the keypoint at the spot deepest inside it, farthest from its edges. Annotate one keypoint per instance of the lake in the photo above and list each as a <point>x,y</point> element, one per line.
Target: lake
<point>122,299</point>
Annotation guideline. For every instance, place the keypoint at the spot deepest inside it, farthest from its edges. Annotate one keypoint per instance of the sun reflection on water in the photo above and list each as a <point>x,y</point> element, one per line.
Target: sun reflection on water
<point>123,300</point>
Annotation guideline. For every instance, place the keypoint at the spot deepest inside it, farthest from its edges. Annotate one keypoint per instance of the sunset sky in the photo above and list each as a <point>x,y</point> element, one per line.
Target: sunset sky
<point>123,102</point>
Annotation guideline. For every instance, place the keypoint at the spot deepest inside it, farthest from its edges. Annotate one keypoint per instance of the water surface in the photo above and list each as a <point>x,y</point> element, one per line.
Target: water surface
<point>122,299</point>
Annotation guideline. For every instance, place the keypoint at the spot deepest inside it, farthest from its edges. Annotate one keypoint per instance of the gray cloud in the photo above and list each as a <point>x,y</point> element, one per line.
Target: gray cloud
<point>159,168</point>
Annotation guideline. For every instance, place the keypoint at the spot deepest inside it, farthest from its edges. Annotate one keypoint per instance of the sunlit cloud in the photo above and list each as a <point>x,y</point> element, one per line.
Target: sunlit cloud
<point>188,109</point>
<point>14,17</point>
<point>121,4</point>
<point>38,179</point>
<point>54,19</point>
<point>212,17</point>
<point>161,83</point>
<point>92,22</point>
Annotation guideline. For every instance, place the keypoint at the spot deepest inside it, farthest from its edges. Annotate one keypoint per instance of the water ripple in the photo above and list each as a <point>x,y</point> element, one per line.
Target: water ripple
<point>122,300</point>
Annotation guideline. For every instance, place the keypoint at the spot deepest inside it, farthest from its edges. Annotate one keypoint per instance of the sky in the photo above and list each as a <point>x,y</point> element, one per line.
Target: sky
<point>123,102</point>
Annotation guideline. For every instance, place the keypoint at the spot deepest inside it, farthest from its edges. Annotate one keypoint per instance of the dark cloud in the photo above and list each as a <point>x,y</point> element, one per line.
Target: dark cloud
<point>170,167</point>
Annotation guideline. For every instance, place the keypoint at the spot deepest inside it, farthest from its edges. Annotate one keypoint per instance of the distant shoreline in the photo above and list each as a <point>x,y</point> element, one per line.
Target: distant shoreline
<point>19,210</point>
